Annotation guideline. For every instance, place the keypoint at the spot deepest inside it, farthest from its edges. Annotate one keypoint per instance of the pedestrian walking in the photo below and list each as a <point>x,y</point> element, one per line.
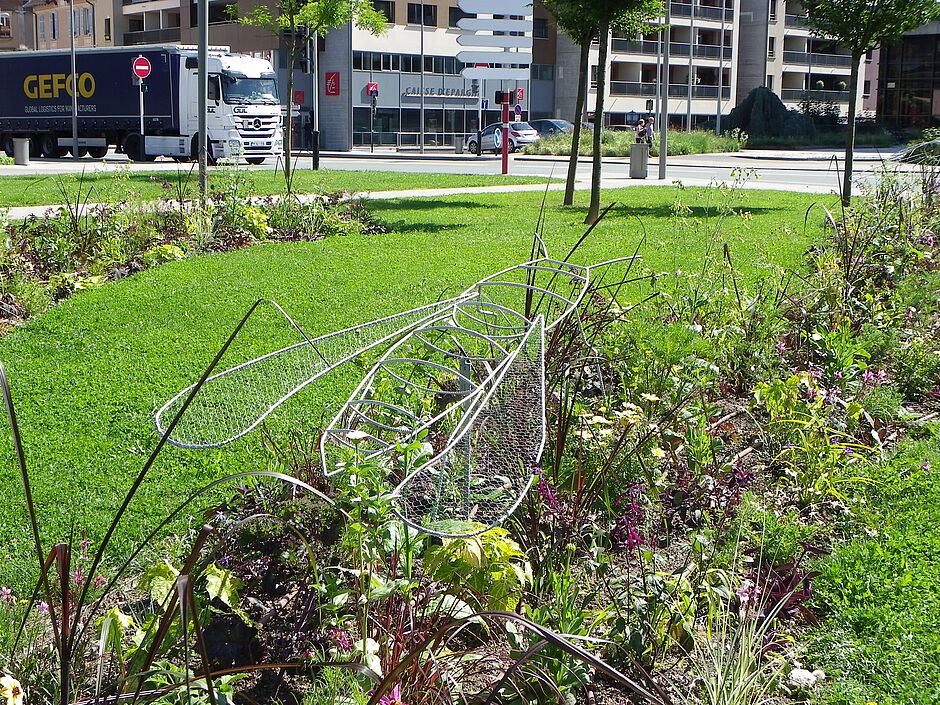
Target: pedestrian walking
<point>648,136</point>
<point>641,130</point>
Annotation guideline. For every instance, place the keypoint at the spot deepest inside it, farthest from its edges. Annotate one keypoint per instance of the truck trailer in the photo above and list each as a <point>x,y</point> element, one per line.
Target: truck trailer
<point>144,118</point>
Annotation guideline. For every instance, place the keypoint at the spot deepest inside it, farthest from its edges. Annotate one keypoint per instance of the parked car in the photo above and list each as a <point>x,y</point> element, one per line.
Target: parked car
<point>553,126</point>
<point>520,134</point>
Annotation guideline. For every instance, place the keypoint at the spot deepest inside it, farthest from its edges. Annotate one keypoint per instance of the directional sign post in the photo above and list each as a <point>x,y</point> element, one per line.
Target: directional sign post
<point>141,68</point>
<point>507,44</point>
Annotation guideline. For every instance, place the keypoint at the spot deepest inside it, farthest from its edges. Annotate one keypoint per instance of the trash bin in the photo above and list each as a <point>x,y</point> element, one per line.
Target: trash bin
<point>21,151</point>
<point>639,160</point>
<point>458,144</point>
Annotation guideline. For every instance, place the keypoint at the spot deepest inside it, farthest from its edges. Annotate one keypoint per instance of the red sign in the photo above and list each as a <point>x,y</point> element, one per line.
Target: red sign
<point>332,82</point>
<point>520,94</point>
<point>372,88</point>
<point>141,67</point>
<point>298,97</point>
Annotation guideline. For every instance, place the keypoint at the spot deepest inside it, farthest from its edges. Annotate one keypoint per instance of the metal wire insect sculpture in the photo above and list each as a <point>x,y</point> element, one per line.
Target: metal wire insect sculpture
<point>454,408</point>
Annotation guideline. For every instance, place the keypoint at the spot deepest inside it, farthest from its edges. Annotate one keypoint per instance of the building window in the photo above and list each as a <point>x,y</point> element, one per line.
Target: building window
<point>540,28</point>
<point>770,82</point>
<point>868,56</point>
<point>41,26</point>
<point>386,7</point>
<point>430,14</point>
<point>87,17</point>
<point>772,10</point>
<point>542,72</point>
<point>53,25</point>
<point>107,28</point>
<point>456,14</point>
<point>866,88</point>
<point>771,47</point>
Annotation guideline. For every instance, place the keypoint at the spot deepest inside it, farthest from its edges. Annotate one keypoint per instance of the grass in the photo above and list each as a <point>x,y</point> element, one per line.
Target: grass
<point>107,185</point>
<point>89,374</point>
<point>881,642</point>
<point>617,144</point>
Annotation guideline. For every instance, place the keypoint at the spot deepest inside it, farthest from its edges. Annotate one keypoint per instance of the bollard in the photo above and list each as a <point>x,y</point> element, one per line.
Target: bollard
<point>639,160</point>
<point>21,151</point>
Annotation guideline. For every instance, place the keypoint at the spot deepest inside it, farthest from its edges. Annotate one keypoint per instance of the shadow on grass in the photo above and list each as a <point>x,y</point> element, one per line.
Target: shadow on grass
<point>422,204</point>
<point>627,211</point>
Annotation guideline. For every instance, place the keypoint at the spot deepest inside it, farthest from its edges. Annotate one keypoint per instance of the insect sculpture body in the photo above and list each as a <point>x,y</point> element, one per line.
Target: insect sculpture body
<point>462,379</point>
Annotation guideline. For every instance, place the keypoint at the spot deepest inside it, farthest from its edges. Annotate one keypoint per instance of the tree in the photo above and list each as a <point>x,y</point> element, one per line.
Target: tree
<point>859,26</point>
<point>626,17</point>
<point>297,20</point>
<point>574,18</point>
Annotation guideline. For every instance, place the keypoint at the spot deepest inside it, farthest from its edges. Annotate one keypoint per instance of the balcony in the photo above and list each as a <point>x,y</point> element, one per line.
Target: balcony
<point>792,95</point>
<point>796,21</point>
<point>681,9</point>
<point>802,57</point>
<point>153,36</point>
<point>651,48</point>
<point>676,90</point>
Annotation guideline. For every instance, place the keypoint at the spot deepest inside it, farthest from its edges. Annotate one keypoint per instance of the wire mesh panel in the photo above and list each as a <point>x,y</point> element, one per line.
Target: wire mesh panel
<point>489,461</point>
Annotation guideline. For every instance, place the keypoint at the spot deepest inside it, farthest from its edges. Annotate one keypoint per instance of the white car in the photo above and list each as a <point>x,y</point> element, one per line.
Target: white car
<point>520,134</point>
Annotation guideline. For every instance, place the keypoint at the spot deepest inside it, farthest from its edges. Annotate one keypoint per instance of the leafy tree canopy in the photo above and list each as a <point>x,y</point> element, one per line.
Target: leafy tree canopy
<point>860,25</point>
<point>582,19</point>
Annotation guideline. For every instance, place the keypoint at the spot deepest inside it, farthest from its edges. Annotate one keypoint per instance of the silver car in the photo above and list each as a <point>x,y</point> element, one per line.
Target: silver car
<point>520,134</point>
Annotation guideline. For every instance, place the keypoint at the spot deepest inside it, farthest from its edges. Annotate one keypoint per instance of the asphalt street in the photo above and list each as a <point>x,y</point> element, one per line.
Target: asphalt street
<point>816,171</point>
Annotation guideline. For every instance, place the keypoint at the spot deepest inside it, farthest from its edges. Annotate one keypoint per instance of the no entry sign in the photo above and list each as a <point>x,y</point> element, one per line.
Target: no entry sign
<point>141,67</point>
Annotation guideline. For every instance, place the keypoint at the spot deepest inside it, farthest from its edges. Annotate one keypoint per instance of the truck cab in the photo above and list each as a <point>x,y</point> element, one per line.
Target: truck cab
<point>244,112</point>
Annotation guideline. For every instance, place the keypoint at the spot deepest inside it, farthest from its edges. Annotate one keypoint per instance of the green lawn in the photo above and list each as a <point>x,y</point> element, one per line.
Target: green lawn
<point>880,592</point>
<point>98,186</point>
<point>88,375</point>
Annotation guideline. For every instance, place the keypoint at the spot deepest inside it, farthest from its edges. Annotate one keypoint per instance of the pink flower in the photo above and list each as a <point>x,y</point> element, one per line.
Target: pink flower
<point>78,576</point>
<point>6,595</point>
<point>42,607</point>
<point>99,582</point>
<point>393,698</point>
<point>341,638</point>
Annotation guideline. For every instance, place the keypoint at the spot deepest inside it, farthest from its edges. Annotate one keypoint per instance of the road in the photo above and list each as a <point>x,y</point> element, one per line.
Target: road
<point>816,171</point>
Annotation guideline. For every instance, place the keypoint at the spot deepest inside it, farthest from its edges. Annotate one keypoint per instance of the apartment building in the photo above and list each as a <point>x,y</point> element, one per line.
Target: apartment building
<point>777,51</point>
<point>702,69</point>
<point>909,80</point>
<point>90,22</point>
<point>16,26</point>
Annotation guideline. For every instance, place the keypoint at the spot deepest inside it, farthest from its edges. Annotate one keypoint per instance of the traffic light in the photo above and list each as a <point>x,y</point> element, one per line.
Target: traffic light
<point>649,105</point>
<point>503,97</point>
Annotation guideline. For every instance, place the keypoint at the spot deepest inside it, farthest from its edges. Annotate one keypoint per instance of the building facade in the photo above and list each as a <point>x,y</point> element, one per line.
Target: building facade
<point>909,80</point>
<point>777,51</point>
<point>16,26</point>
<point>719,50</point>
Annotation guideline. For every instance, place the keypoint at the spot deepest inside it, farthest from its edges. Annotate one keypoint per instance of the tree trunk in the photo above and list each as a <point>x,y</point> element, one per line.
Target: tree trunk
<point>293,51</point>
<point>850,132</point>
<point>585,67</point>
<point>604,38</point>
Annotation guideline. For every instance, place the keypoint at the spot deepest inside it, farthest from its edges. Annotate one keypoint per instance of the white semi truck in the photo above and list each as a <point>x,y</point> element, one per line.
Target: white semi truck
<point>244,117</point>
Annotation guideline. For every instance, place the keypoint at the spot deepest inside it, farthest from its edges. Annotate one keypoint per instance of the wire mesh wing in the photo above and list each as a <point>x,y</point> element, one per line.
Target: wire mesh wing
<point>231,403</point>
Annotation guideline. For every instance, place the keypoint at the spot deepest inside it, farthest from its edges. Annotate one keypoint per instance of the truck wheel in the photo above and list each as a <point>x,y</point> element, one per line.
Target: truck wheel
<point>98,152</point>
<point>134,148</point>
<point>35,150</point>
<point>210,160</point>
<point>255,160</point>
<point>50,146</point>
<point>6,144</point>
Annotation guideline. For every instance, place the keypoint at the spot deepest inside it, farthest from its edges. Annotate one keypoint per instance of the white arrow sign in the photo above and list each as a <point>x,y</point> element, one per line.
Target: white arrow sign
<point>489,40</point>
<point>488,74</point>
<point>497,7</point>
<point>495,57</point>
<point>477,25</point>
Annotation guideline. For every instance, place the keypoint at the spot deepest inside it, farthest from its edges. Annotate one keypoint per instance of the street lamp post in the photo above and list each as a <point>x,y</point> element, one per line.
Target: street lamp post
<point>664,97</point>
<point>74,80</point>
<point>421,126</point>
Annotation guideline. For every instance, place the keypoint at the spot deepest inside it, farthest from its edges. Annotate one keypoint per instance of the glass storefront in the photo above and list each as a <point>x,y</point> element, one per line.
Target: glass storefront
<point>909,82</point>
